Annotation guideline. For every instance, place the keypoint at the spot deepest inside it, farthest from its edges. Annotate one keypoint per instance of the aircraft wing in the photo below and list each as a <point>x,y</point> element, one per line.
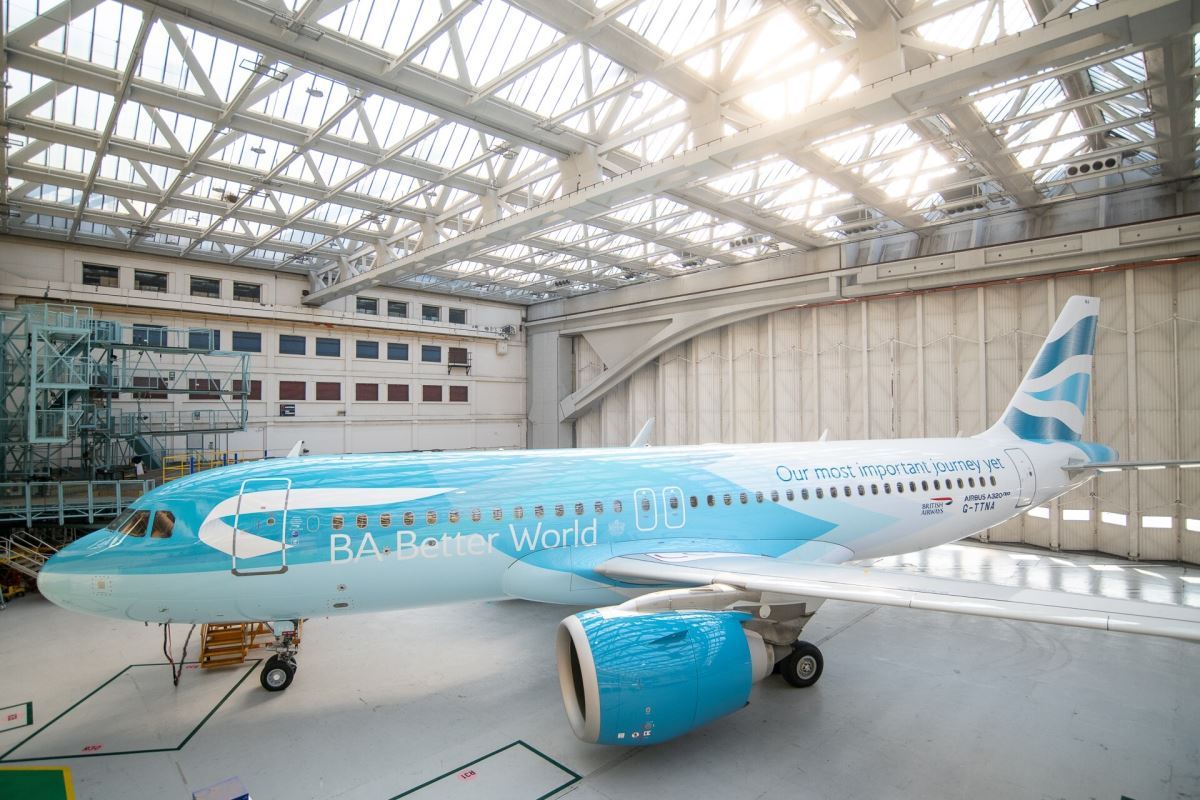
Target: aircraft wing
<point>1118,466</point>
<point>777,580</point>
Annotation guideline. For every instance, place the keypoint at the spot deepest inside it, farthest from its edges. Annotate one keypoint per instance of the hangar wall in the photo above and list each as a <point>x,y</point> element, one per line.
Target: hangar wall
<point>493,415</point>
<point>944,363</point>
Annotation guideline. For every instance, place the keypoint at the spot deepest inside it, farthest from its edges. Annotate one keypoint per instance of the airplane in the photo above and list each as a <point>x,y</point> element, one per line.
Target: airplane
<point>703,563</point>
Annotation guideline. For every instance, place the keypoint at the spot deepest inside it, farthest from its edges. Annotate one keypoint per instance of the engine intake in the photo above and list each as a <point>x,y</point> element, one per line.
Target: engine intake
<point>635,679</point>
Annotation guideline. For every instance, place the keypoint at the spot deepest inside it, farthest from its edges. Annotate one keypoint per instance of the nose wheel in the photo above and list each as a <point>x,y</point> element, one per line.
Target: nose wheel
<point>802,667</point>
<point>280,669</point>
<point>277,673</point>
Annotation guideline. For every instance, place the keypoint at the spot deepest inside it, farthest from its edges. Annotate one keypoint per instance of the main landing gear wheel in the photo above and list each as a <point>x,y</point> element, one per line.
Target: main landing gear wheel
<point>277,673</point>
<point>802,667</point>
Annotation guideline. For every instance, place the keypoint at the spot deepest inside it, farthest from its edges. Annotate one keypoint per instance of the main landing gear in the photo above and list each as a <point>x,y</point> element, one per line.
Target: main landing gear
<point>801,667</point>
<point>280,669</point>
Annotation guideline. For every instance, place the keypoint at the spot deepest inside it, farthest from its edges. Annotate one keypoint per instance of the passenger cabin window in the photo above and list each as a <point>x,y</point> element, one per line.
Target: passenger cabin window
<point>579,509</point>
<point>832,491</point>
<point>790,495</point>
<point>385,520</point>
<point>804,494</point>
<point>431,517</point>
<point>361,521</point>
<point>820,493</point>
<point>409,518</point>
<point>616,506</point>
<point>712,501</point>
<point>338,522</point>
<point>558,510</point>
<point>497,514</point>
<point>476,516</point>
<point>453,516</point>
<point>599,507</point>
<point>518,512</point>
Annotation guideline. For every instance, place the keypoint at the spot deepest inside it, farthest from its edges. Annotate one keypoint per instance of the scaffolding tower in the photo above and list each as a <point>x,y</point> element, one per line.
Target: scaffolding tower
<point>73,387</point>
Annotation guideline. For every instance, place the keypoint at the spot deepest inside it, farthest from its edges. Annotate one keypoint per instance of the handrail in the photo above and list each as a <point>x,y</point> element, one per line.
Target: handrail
<point>66,501</point>
<point>178,465</point>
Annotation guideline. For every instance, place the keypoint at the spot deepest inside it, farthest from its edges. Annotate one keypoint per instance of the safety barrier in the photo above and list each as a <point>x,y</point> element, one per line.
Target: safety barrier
<point>179,465</point>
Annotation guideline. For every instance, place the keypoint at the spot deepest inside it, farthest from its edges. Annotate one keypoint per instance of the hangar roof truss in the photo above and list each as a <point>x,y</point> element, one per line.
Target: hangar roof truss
<point>376,142</point>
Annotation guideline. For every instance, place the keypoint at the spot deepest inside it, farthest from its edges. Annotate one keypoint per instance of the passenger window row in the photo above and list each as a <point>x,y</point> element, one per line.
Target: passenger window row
<point>409,518</point>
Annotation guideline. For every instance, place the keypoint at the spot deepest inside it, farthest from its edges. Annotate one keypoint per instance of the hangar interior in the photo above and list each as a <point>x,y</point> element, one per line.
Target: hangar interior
<point>231,230</point>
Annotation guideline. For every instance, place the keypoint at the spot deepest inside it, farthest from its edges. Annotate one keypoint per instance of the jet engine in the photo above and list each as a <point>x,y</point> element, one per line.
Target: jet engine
<point>633,678</point>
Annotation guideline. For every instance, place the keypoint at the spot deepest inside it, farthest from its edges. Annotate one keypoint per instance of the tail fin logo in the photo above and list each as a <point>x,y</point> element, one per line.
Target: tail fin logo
<point>1051,401</point>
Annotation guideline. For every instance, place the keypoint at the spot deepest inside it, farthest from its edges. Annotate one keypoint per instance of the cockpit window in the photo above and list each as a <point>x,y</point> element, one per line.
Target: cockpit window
<point>132,523</point>
<point>164,523</point>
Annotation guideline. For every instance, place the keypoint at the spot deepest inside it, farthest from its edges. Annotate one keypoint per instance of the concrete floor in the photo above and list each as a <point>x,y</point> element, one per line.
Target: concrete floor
<point>911,704</point>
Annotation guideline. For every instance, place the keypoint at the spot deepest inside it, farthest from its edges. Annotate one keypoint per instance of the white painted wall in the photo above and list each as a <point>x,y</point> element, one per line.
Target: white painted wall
<point>941,363</point>
<point>494,415</point>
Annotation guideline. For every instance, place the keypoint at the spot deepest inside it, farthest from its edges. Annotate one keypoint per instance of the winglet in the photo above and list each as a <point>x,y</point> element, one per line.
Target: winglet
<point>297,449</point>
<point>643,437</point>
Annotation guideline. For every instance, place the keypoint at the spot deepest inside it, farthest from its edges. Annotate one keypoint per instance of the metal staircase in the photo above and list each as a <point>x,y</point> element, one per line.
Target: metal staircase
<point>25,552</point>
<point>226,644</point>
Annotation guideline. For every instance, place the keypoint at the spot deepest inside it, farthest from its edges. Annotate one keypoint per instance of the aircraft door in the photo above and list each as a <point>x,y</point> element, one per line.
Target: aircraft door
<point>673,507</point>
<point>1026,474</point>
<point>646,508</point>
<point>260,527</point>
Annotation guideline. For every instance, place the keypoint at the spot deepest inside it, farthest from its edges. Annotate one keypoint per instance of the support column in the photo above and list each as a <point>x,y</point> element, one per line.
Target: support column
<point>550,365</point>
<point>1134,517</point>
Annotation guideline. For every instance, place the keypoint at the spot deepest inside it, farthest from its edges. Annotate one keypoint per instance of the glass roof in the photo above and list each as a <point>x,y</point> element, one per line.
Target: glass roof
<point>322,136</point>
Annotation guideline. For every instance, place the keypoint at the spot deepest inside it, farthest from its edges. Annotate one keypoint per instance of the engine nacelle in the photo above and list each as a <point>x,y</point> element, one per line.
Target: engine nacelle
<point>634,679</point>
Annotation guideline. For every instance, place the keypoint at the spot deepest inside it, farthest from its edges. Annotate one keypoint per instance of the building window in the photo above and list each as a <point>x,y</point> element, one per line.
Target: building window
<point>150,335</point>
<point>329,390</point>
<point>150,383</point>
<point>329,347</point>
<point>247,342</point>
<point>397,308</point>
<point>366,349</point>
<point>458,316</point>
<point>290,345</point>
<point>431,313</point>
<point>431,354</point>
<point>366,305</point>
<point>205,287</point>
<point>431,393</point>
<point>149,281</point>
<point>458,356</point>
<point>204,339</point>
<point>366,392</point>
<point>255,390</point>
<point>397,393</point>
<point>292,390</point>
<point>397,351</point>
<point>100,275</point>
<point>204,389</point>
<point>458,394</point>
<point>247,292</point>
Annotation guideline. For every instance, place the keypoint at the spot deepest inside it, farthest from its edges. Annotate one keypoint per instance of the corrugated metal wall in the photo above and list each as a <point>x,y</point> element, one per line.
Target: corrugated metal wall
<point>945,363</point>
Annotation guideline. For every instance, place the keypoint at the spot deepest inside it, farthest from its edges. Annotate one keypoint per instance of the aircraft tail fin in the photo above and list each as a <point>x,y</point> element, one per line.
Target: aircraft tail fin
<point>1051,402</point>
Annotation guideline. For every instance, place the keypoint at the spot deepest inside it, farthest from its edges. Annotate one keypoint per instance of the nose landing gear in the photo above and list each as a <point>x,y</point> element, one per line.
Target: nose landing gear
<point>280,669</point>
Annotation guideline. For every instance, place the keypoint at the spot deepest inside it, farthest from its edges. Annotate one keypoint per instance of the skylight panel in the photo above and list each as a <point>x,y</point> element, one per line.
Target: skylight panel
<point>498,37</point>
<point>305,99</point>
<point>978,24</point>
<point>385,24</point>
<point>385,185</point>
<point>163,63</point>
<point>65,157</point>
<point>677,25</point>
<point>77,106</point>
<point>392,121</point>
<point>334,169</point>
<point>562,82</point>
<point>334,213</point>
<point>253,152</point>
<point>103,35</point>
<point>450,146</point>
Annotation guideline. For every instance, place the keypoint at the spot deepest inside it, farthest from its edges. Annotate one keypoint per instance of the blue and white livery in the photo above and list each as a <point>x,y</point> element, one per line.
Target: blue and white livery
<point>704,563</point>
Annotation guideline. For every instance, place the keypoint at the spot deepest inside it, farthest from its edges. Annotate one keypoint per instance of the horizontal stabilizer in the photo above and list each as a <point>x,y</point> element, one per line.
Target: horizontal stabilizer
<point>881,587</point>
<point>1120,466</point>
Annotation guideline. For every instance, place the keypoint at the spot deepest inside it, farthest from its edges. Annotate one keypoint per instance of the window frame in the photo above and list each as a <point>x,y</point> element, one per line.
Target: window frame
<point>234,346</point>
<point>292,339</point>
<point>403,307</point>
<point>370,346</point>
<point>139,275</point>
<point>101,279</point>
<point>326,341</point>
<point>245,297</point>
<point>366,305</point>
<point>192,286</point>
<point>452,312</point>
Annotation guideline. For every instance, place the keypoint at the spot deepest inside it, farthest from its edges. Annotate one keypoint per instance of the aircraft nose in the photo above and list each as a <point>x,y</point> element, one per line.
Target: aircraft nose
<point>69,583</point>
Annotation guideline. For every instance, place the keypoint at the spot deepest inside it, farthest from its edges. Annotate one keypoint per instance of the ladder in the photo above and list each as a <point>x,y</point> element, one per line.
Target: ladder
<point>227,644</point>
<point>25,552</point>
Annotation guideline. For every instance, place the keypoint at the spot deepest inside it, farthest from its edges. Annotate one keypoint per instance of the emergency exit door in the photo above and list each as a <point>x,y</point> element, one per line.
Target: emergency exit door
<point>1025,474</point>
